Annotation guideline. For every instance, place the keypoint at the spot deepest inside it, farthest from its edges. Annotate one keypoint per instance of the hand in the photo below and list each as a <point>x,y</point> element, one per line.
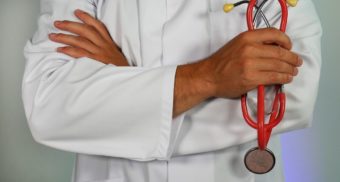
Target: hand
<point>259,57</point>
<point>92,40</point>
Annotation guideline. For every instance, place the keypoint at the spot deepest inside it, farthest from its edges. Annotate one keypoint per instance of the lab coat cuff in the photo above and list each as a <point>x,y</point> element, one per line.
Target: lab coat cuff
<point>170,126</point>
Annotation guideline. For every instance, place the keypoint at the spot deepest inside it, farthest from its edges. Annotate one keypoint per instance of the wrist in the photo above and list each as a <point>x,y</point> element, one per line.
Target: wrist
<point>202,78</point>
<point>192,86</point>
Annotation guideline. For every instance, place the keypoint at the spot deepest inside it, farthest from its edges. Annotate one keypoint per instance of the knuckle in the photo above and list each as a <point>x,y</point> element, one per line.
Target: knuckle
<point>244,36</point>
<point>71,39</point>
<point>246,76</point>
<point>66,23</point>
<point>285,78</point>
<point>243,82</point>
<point>244,85</point>
<point>248,80</point>
<point>61,38</point>
<point>280,51</point>
<point>80,39</point>
<point>274,31</point>
<point>92,55</point>
<point>283,67</point>
<point>88,27</point>
<point>87,54</point>
<point>86,19</point>
<point>100,23</point>
<point>69,49</point>
<point>247,49</point>
<point>277,64</point>
<point>247,63</point>
<point>86,16</point>
<point>92,29</point>
<point>275,78</point>
<point>85,27</point>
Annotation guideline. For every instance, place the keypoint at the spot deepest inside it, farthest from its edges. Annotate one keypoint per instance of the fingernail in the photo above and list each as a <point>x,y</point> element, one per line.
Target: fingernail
<point>59,49</point>
<point>78,11</point>
<point>52,35</point>
<point>57,23</point>
<point>296,71</point>
<point>300,61</point>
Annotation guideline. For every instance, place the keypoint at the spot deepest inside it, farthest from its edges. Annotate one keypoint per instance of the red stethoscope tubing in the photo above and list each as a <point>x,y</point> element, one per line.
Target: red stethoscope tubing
<point>279,104</point>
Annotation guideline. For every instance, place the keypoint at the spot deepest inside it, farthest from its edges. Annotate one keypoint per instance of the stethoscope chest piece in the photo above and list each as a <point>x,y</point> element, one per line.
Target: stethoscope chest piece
<point>259,161</point>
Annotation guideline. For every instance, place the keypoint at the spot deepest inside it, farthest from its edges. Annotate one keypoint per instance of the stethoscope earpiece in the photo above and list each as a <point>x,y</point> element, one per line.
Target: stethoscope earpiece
<point>292,3</point>
<point>228,7</point>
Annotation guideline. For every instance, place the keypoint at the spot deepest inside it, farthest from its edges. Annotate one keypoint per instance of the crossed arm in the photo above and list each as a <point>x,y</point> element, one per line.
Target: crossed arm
<point>78,101</point>
<point>250,59</point>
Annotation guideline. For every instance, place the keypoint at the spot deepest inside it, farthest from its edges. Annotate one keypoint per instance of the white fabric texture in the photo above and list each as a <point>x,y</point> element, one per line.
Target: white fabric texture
<point>119,119</point>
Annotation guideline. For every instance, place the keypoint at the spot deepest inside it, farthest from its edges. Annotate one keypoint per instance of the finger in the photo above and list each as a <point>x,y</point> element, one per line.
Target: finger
<point>272,65</point>
<point>81,29</point>
<point>269,36</point>
<point>97,24</point>
<point>74,41</point>
<point>272,78</point>
<point>278,53</point>
<point>74,52</point>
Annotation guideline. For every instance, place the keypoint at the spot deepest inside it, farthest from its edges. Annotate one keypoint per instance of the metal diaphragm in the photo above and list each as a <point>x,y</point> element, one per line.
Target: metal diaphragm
<point>259,161</point>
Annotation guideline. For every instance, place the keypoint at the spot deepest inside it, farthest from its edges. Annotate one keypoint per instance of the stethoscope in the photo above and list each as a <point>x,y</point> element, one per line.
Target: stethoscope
<point>260,159</point>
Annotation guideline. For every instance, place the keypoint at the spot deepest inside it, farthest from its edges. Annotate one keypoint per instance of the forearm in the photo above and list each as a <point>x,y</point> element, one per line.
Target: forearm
<point>192,86</point>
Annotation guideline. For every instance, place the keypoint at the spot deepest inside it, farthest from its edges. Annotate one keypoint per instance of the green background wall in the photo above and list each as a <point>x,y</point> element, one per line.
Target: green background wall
<point>22,160</point>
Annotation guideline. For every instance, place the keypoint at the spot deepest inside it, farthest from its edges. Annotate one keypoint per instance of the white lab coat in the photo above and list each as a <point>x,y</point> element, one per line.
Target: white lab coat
<point>119,119</point>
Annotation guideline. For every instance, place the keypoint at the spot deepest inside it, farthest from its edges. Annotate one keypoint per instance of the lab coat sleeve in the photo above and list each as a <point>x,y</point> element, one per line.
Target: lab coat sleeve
<point>85,106</point>
<point>304,29</point>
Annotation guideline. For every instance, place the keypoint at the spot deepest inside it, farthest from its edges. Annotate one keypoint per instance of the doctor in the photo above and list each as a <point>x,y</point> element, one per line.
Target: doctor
<point>147,90</point>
